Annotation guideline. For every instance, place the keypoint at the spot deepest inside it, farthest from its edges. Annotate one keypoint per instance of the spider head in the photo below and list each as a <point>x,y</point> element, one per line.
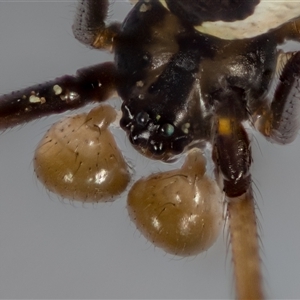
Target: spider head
<point>155,133</point>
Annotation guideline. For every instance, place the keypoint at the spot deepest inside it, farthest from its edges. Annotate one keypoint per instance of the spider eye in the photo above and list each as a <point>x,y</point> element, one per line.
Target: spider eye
<point>142,118</point>
<point>167,129</point>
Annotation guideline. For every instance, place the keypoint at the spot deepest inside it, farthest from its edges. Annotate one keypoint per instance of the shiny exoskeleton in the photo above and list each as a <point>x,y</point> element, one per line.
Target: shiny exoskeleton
<point>180,87</point>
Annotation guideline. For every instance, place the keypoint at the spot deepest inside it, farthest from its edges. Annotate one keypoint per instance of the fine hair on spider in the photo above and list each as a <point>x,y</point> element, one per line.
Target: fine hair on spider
<point>165,122</point>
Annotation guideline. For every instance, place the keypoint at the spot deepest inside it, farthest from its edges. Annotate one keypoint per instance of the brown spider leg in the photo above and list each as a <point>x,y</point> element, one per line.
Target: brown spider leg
<point>232,155</point>
<point>279,121</point>
<point>89,25</point>
<point>95,83</point>
<point>245,246</point>
<point>289,31</point>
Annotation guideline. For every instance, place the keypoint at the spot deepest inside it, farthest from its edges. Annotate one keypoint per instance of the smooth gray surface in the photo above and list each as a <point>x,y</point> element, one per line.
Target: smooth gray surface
<point>53,249</point>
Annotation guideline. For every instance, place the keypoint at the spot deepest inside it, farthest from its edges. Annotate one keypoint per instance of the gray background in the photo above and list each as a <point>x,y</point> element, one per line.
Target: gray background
<point>54,249</point>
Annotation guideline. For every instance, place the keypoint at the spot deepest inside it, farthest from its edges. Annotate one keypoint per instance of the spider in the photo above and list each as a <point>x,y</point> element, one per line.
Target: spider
<point>66,285</point>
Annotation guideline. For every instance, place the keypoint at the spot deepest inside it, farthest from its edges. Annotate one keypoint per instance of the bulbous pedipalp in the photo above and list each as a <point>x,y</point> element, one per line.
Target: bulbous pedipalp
<point>78,158</point>
<point>180,211</point>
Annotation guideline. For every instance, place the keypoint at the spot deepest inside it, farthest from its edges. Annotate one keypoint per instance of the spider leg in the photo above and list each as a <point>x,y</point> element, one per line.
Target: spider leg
<point>232,156</point>
<point>95,83</point>
<point>289,31</point>
<point>89,25</point>
<point>279,121</point>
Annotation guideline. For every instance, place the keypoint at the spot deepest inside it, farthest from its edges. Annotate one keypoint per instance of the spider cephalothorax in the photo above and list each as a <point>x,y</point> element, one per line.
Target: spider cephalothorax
<point>176,79</point>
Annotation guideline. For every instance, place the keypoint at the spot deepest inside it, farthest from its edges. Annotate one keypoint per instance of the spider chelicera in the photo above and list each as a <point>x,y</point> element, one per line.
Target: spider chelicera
<point>39,262</point>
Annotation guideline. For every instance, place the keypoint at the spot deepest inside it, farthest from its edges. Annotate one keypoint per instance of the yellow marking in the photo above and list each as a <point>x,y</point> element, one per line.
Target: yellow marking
<point>224,126</point>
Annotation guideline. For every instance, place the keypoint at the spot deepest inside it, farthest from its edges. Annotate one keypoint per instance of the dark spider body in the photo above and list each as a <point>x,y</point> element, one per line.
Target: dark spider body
<point>185,81</point>
<point>174,91</point>
<point>180,88</point>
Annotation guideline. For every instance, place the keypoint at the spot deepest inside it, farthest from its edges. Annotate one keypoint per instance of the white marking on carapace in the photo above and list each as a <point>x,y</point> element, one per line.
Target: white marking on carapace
<point>163,2</point>
<point>267,15</point>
